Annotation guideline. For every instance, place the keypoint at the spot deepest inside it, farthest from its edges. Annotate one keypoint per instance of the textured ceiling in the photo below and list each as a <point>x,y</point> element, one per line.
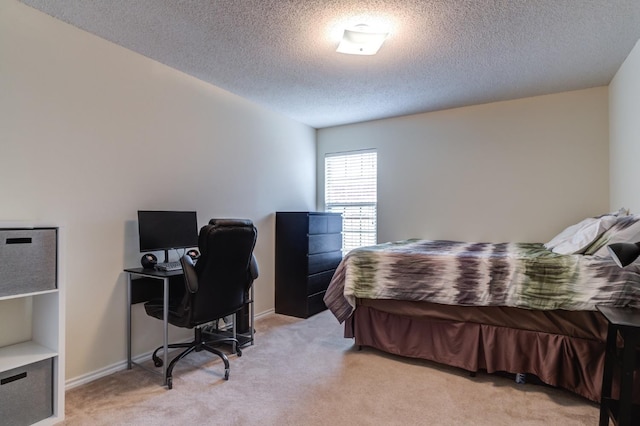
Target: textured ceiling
<point>439,54</point>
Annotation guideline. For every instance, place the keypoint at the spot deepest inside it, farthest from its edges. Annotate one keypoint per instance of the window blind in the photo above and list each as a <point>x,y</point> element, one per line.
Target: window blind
<point>351,188</point>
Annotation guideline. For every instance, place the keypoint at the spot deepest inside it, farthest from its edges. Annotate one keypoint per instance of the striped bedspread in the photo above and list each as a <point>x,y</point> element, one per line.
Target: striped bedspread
<point>524,275</point>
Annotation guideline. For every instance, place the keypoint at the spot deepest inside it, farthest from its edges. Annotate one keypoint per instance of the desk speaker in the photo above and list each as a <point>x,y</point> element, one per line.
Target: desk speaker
<point>149,260</point>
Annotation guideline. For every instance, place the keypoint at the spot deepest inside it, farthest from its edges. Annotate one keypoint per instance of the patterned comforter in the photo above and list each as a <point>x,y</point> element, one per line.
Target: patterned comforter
<point>524,275</point>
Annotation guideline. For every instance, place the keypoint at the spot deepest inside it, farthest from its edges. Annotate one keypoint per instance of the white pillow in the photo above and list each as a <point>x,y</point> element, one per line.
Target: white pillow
<point>625,230</point>
<point>620,212</point>
<point>575,239</point>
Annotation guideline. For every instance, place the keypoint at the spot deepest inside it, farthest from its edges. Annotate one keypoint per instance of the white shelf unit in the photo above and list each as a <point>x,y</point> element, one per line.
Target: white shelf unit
<point>41,329</point>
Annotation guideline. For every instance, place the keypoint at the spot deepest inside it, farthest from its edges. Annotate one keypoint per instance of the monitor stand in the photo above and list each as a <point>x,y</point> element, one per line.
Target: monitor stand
<point>166,256</point>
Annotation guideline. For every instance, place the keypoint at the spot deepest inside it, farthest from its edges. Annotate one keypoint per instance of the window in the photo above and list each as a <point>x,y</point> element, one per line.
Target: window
<point>351,188</point>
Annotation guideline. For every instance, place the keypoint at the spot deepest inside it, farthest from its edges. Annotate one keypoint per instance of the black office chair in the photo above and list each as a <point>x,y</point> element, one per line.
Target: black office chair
<point>217,286</point>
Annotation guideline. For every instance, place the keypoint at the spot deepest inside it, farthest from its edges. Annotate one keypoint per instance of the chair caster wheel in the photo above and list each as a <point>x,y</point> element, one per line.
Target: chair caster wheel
<point>238,352</point>
<point>170,383</point>
<point>226,374</point>
<point>157,362</point>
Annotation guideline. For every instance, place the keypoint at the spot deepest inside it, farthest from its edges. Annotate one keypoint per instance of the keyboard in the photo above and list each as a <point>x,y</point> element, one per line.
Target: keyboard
<point>168,266</point>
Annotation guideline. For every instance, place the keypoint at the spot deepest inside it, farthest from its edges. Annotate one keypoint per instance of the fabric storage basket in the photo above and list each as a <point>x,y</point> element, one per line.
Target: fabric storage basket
<point>27,260</point>
<point>26,393</point>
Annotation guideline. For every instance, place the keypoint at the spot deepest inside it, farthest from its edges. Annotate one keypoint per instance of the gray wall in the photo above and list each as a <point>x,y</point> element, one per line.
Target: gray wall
<point>518,170</point>
<point>624,119</point>
<point>92,132</point>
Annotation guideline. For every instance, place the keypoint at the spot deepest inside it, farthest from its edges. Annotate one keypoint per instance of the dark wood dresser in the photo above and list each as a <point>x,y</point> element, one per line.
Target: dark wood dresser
<point>308,250</point>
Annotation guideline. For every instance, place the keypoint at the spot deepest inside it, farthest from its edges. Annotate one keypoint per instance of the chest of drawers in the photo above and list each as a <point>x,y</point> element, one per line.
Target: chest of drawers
<point>308,250</point>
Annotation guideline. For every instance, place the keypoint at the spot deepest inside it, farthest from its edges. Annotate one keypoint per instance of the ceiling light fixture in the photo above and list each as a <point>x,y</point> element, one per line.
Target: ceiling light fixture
<point>361,40</point>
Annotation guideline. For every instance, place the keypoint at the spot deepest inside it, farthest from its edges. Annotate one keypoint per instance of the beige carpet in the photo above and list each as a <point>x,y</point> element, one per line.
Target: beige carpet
<point>303,372</point>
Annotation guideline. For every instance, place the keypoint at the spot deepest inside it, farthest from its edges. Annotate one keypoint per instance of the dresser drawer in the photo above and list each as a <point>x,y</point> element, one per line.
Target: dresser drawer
<point>26,393</point>
<point>27,260</point>
<point>325,223</point>
<point>323,261</point>
<point>323,243</point>
<point>319,282</point>
<point>315,303</point>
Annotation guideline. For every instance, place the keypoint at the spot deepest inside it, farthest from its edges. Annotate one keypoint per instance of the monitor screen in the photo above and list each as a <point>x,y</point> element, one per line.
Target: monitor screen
<point>164,230</point>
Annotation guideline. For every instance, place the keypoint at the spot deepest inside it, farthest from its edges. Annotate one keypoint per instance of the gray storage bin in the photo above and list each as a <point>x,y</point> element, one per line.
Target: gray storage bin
<point>27,260</point>
<point>26,393</point>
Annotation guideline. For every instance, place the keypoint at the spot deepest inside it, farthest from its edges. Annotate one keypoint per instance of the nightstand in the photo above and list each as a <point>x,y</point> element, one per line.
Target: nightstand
<point>626,323</point>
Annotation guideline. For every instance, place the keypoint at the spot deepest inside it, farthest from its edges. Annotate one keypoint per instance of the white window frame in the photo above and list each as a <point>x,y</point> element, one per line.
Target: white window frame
<point>351,188</point>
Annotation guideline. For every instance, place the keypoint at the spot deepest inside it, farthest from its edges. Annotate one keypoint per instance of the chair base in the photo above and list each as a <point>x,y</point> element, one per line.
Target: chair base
<point>198,344</point>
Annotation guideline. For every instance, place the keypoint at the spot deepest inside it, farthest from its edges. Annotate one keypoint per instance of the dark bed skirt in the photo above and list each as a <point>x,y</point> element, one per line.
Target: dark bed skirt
<point>562,348</point>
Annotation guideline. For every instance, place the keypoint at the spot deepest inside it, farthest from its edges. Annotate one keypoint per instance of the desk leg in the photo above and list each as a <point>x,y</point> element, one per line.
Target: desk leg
<point>251,313</point>
<point>129,364</point>
<point>165,306</point>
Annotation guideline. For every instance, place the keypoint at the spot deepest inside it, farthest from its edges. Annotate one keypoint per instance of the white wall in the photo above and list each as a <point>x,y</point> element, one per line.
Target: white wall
<point>91,133</point>
<point>624,122</point>
<point>518,170</point>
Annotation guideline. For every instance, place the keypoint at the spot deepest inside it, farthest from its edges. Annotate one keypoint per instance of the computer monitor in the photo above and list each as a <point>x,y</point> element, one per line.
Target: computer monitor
<point>166,230</point>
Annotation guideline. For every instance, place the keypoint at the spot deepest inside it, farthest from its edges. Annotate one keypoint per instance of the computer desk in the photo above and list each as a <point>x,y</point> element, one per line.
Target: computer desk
<point>164,276</point>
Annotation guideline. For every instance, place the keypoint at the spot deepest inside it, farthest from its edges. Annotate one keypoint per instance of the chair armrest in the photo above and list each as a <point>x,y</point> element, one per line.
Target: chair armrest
<point>190,275</point>
<point>253,268</point>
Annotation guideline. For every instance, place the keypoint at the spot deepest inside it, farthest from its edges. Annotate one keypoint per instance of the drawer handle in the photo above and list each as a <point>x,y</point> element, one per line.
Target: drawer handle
<point>13,378</point>
<point>24,240</point>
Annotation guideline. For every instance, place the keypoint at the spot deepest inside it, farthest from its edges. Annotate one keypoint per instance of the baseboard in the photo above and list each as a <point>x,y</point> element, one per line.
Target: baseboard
<point>122,365</point>
<point>103,372</point>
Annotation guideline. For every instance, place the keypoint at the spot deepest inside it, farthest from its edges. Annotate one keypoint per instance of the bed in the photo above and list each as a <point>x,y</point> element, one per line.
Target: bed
<point>510,307</point>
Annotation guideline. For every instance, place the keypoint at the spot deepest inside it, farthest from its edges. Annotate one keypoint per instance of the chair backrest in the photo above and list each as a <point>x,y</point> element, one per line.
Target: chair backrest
<point>217,286</point>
